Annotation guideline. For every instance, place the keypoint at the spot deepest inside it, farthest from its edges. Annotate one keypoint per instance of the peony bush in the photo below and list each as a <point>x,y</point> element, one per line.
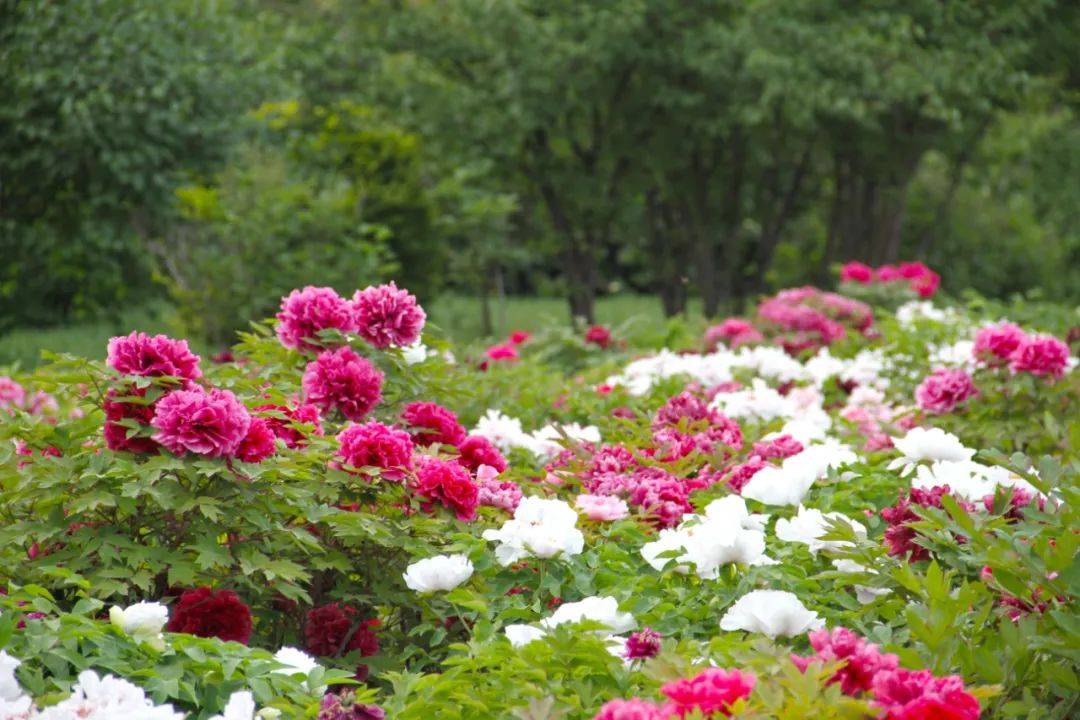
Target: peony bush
<point>855,504</point>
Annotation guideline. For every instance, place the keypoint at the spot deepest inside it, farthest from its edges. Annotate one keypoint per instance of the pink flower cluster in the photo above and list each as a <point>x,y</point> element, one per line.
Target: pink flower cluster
<point>943,390</point>
<point>153,356</point>
<point>383,315</point>
<point>711,694</point>
<point>13,396</point>
<point>899,535</point>
<point>1039,355</point>
<point>447,483</point>
<point>733,332</point>
<point>431,423</point>
<point>918,695</point>
<point>285,422</point>
<point>211,423</point>
<point>376,445</point>
<point>807,318</point>
<point>342,380</point>
<point>920,279</point>
<point>496,493</point>
<point>862,660</point>
<point>686,424</point>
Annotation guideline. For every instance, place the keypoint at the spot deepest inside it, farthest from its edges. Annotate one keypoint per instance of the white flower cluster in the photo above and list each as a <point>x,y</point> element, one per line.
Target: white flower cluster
<point>541,527</point>
<point>506,433</point>
<point>601,610</point>
<point>438,574</point>
<point>789,482</point>
<point>774,613</point>
<point>726,533</point>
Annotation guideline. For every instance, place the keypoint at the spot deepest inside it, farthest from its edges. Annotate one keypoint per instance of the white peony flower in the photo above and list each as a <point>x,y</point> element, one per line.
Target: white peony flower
<point>809,524</point>
<point>14,703</point>
<point>521,635</point>
<point>294,661</point>
<point>726,533</point>
<point>107,698</point>
<point>143,621</point>
<point>541,527</point>
<point>789,483</point>
<point>549,440</point>
<point>774,613</point>
<point>503,431</point>
<point>439,573</point>
<point>914,310</point>
<point>760,402</point>
<point>864,594</point>
<point>603,610</point>
<point>823,366</point>
<point>928,444</point>
<point>241,706</point>
<point>415,353</point>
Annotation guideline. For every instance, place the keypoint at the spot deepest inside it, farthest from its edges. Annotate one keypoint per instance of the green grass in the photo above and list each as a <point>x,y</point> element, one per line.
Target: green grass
<point>457,316</point>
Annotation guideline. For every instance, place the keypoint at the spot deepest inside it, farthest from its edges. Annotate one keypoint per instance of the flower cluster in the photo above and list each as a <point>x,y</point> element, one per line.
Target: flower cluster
<point>919,278</point>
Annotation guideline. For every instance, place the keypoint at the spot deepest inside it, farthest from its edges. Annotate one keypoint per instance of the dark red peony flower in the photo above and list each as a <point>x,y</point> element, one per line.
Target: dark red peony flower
<point>447,483</point>
<point>211,613</point>
<point>334,629</point>
<point>643,644</point>
<point>258,444</point>
<point>116,435</point>
<point>477,450</point>
<point>598,335</point>
<point>431,423</point>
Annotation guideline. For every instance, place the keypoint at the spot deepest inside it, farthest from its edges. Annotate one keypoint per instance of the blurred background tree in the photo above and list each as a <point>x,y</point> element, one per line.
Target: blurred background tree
<point>214,154</point>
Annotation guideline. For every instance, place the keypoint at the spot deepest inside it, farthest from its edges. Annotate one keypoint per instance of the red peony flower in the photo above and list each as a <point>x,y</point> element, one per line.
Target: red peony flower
<point>211,423</point>
<point>304,313</point>
<point>862,660</point>
<point>477,450</point>
<point>258,444</point>
<point>387,316</point>
<point>333,629</point>
<point>432,423</point>
<point>153,356</point>
<point>340,379</point>
<point>633,709</point>
<point>712,691</point>
<point>642,644</point>
<point>998,342</point>
<point>918,695</point>
<point>856,271</point>
<point>376,445</point>
<point>116,435</point>
<point>598,335</point>
<point>447,483</point>
<point>211,613</point>
<point>518,337</point>
<point>502,353</point>
<point>1042,355</point>
<point>941,391</point>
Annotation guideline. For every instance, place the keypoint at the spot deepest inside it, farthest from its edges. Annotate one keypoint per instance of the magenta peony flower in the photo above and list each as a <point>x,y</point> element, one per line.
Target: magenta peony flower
<point>258,444</point>
<point>942,390</point>
<point>598,335</point>
<point>432,423</point>
<point>862,660</point>
<point>447,483</point>
<point>504,352</point>
<point>732,331</point>
<point>900,536</point>
<point>856,271</point>
<point>376,445</point>
<point>780,448</point>
<point>116,435</point>
<point>1042,355</point>
<point>157,356</point>
<point>345,707</point>
<point>518,337</point>
<point>386,316</point>
<point>642,644</point>
<point>210,423</point>
<point>633,709</point>
<point>712,691</point>
<point>211,613</point>
<point>998,342</point>
<point>477,450</point>
<point>662,495</point>
<point>12,394</point>
<point>304,313</point>
<point>492,492</point>
<point>340,379</point>
<point>918,695</point>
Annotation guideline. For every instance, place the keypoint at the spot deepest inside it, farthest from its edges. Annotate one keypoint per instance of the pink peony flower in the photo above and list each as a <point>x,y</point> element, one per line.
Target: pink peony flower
<point>780,447</point>
<point>210,423</point>
<point>732,331</point>
<point>283,420</point>
<point>918,695</point>
<point>156,356</point>
<point>449,484</point>
<point>518,337</point>
<point>862,660</point>
<point>376,445</point>
<point>502,353</point>
<point>432,423</point>
<point>998,342</point>
<point>343,380</point>
<point>304,313</point>
<point>493,492</point>
<point>887,273</point>
<point>598,335</point>
<point>711,692</point>
<point>116,435</point>
<point>741,474</point>
<point>604,508</point>
<point>856,271</point>
<point>12,394</point>
<point>477,450</point>
<point>388,316</point>
<point>1042,355</point>
<point>642,644</point>
<point>921,279</point>
<point>941,391</point>
<point>258,443</point>
<point>633,709</point>
<point>662,495</point>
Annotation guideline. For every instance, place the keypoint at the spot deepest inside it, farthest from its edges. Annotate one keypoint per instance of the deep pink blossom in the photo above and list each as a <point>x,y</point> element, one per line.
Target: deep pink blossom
<point>152,356</point>
<point>518,337</point>
<point>283,422</point>
<point>660,494</point>
<point>862,660</point>
<point>942,390</point>
<point>1042,355</point>
<point>856,271</point>
<point>431,423</point>
<point>633,709</point>
<point>493,492</point>
<point>918,695</point>
<point>376,445</point>
<point>504,352</point>
<point>304,313</point>
<point>779,448</point>
<point>342,380</point>
<point>899,535</point>
<point>711,692</point>
<point>344,707</point>
<point>643,644</point>
<point>477,450</point>
<point>733,332</point>
<point>388,316</point>
<point>887,273</point>
<point>116,434</point>
<point>258,443</point>
<point>12,394</point>
<point>997,343</point>
<point>598,335</point>
<point>206,423</point>
<point>447,483</point>
<point>741,474</point>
